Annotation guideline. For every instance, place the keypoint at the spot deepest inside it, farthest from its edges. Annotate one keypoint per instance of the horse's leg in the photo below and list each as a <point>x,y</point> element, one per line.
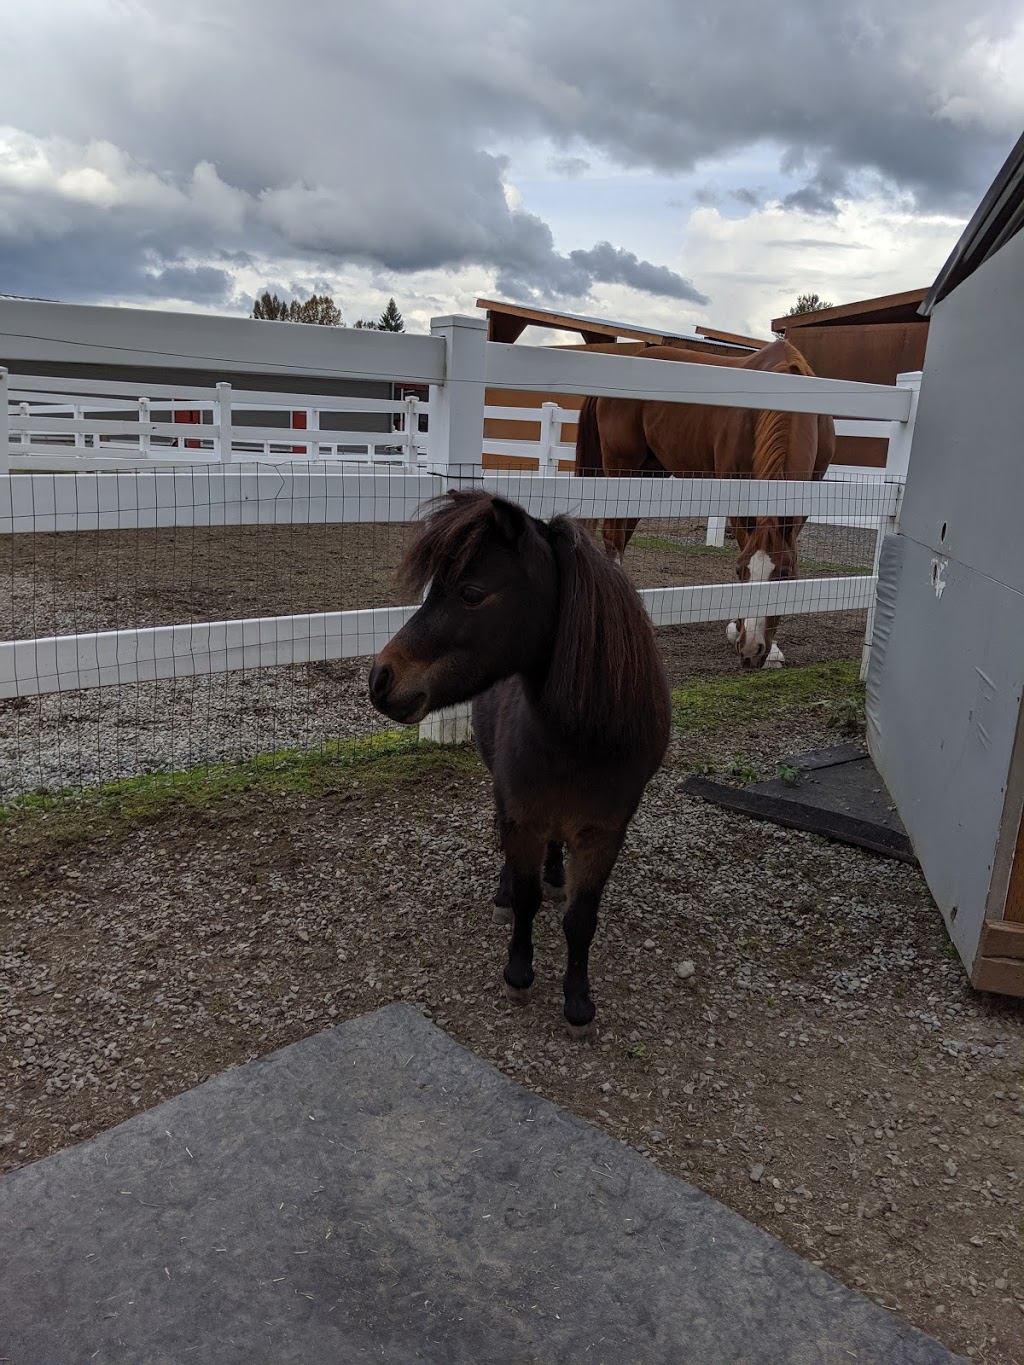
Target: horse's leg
<point>524,852</point>
<point>554,873</point>
<point>593,853</point>
<point>741,528</point>
<point>617,534</point>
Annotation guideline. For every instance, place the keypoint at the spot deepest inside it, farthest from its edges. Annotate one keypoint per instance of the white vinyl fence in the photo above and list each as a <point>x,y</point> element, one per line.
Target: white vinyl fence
<point>240,476</point>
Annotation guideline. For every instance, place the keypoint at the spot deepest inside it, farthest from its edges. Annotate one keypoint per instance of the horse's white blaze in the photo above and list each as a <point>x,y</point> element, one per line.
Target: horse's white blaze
<point>754,627</point>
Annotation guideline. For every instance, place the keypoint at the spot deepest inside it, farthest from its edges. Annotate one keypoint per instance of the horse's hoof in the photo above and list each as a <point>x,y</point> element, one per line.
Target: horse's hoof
<point>582,1033</point>
<point>518,995</point>
<point>776,658</point>
<point>502,914</point>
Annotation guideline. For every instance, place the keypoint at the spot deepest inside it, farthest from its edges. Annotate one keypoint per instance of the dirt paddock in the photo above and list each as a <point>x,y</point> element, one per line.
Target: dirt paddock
<point>824,1069</point>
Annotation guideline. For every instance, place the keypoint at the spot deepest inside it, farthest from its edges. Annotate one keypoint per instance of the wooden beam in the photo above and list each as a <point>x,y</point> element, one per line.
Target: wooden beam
<point>884,303</point>
<point>502,327</point>
<point>1001,975</point>
<point>1000,938</point>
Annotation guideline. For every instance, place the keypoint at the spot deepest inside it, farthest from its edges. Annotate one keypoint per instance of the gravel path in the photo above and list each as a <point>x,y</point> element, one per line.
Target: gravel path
<point>823,1068</point>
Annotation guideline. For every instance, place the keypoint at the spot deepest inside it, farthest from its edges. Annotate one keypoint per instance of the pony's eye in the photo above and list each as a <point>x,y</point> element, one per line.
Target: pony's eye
<point>472,596</point>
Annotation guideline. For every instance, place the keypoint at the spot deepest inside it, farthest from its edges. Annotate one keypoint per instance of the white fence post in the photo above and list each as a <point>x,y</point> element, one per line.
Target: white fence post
<point>24,411</point>
<point>550,429</point>
<point>225,438</point>
<point>457,405</point>
<point>145,440</point>
<point>412,426</point>
<point>5,425</point>
<point>456,444</point>
<point>716,532</point>
<point>897,463</point>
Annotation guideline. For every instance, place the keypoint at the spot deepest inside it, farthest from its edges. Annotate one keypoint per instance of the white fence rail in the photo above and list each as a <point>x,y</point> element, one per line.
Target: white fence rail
<point>224,482</point>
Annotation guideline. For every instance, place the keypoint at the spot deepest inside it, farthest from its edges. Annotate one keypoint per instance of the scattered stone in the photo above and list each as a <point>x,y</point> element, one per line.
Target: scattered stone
<point>756,1172</point>
<point>684,970</point>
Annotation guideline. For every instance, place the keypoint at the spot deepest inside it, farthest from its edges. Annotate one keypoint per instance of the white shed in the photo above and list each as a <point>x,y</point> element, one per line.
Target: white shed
<point>946,680</point>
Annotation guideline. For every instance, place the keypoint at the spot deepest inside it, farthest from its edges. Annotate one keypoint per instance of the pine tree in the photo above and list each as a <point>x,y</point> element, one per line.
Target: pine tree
<point>270,308</point>
<point>391,319</point>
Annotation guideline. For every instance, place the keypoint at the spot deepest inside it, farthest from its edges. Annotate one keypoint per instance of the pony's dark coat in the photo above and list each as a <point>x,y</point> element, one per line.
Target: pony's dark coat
<point>571,706</point>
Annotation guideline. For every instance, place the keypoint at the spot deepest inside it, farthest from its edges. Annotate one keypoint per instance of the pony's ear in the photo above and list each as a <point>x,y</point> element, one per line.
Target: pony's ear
<point>509,520</point>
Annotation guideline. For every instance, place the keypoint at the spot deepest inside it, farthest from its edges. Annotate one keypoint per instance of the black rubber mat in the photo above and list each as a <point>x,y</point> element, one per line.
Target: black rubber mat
<point>833,792</point>
<point>378,1193</point>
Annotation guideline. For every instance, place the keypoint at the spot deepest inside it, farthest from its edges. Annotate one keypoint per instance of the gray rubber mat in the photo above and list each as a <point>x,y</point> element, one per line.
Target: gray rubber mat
<point>377,1193</point>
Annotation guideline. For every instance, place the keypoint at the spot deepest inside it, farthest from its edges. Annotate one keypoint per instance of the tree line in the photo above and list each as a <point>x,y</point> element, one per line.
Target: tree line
<point>323,311</point>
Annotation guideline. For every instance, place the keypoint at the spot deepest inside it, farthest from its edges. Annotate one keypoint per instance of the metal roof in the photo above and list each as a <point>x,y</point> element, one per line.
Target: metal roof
<point>999,216</point>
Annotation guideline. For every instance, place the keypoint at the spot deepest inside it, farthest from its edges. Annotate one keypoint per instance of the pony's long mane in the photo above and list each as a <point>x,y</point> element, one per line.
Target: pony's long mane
<point>606,677</point>
<point>773,430</point>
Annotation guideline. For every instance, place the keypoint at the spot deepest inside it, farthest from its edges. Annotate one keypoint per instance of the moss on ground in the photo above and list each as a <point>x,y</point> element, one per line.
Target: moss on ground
<point>738,699</point>
<point>396,757</point>
<point>809,568</point>
<point>390,758</point>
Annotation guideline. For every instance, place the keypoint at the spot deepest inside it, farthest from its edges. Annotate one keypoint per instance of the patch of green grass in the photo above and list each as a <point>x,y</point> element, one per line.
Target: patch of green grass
<point>809,568</point>
<point>741,768</point>
<point>785,772</point>
<point>386,759</point>
<point>739,699</point>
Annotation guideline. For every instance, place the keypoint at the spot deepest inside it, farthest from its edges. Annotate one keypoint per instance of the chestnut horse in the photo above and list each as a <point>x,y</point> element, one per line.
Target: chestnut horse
<point>571,707</point>
<point>634,436</point>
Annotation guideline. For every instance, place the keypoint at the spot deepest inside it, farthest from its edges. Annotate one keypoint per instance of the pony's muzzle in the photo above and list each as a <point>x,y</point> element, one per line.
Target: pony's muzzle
<point>404,704</point>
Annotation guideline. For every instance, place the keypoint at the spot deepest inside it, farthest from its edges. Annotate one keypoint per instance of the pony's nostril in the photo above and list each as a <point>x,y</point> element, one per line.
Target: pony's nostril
<point>380,681</point>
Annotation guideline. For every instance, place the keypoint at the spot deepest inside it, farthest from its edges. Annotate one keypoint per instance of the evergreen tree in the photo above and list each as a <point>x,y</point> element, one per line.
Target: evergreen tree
<point>391,319</point>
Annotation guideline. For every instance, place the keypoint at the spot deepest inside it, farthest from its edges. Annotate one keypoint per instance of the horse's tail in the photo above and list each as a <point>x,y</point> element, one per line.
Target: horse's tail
<point>588,441</point>
<point>773,431</point>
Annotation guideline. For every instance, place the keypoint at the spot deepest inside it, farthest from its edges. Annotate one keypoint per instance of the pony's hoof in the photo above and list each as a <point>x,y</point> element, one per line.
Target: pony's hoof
<point>518,995</point>
<point>502,914</point>
<point>582,1033</point>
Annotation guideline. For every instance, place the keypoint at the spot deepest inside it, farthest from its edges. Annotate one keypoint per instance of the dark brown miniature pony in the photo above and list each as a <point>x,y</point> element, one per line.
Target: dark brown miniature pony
<point>618,436</point>
<point>571,706</point>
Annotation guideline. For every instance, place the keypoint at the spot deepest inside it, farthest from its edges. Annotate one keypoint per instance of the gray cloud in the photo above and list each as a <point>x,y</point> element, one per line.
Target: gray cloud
<point>254,131</point>
<point>613,265</point>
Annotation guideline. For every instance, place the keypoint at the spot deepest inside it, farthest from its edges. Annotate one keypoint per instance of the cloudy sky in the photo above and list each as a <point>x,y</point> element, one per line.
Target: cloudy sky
<point>660,161</point>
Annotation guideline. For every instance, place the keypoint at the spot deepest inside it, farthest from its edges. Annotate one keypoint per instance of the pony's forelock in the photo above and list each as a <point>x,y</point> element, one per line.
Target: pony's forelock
<point>448,538</point>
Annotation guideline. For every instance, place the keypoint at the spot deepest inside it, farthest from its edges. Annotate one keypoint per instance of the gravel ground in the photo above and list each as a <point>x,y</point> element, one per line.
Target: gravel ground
<point>59,584</point>
<point>823,1068</point>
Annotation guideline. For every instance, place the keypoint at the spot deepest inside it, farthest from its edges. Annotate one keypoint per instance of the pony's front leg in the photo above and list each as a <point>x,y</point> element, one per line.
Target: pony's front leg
<point>524,851</point>
<point>593,854</point>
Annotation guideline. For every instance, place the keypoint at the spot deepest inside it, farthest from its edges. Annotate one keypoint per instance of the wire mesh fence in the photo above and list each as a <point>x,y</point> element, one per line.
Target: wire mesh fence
<point>164,623</point>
